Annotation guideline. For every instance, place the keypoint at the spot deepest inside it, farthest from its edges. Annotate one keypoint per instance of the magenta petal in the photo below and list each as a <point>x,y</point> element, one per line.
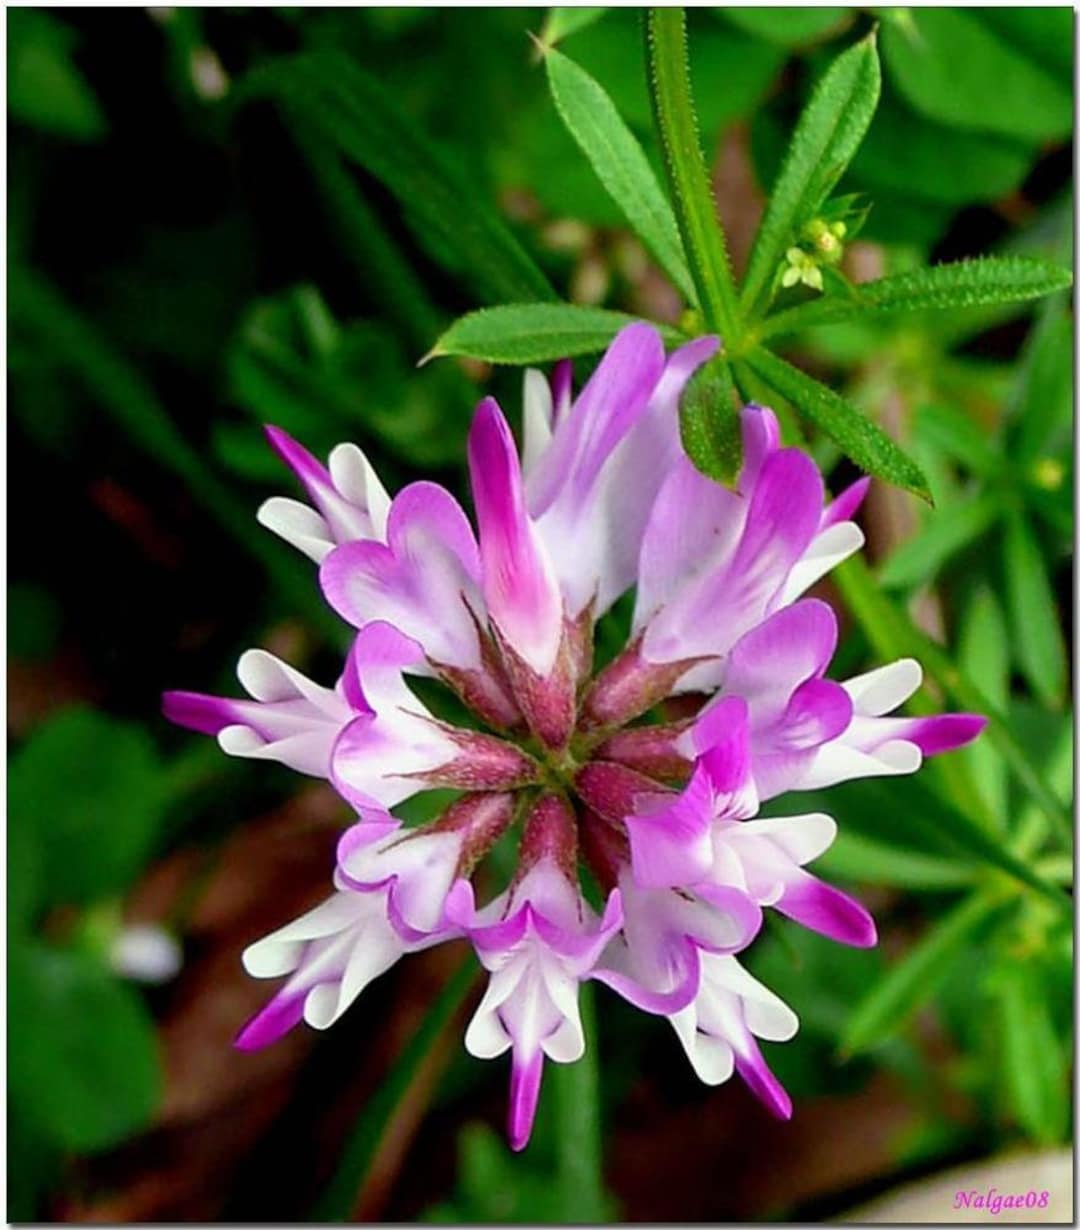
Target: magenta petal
<point>819,710</point>
<point>313,474</point>
<point>944,732</point>
<point>724,739</point>
<point>524,1094</point>
<point>846,504</point>
<point>827,910</point>
<point>685,958</point>
<point>793,644</point>
<point>785,513</point>
<point>610,403</point>
<point>751,1066</point>
<point>520,592</point>
<point>671,846</point>
<point>274,1021</point>
<point>562,392</point>
<point>760,438</point>
<point>196,711</point>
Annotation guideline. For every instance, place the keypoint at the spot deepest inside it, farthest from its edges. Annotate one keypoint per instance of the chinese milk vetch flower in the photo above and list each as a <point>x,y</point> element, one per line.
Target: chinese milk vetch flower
<point>573,768</point>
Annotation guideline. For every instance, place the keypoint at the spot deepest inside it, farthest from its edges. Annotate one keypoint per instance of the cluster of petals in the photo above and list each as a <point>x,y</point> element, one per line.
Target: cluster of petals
<point>581,769</point>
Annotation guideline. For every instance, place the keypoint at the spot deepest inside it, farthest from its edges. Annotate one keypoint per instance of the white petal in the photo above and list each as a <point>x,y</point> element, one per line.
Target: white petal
<point>355,479</point>
<point>299,525</point>
<point>537,414</point>
<point>712,1058</point>
<point>880,691</point>
<point>829,548</point>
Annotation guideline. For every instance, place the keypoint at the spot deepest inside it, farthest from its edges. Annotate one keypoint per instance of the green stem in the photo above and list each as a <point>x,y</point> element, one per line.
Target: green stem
<point>695,209</point>
<point>360,1156</point>
<point>576,1089</point>
<point>890,632</point>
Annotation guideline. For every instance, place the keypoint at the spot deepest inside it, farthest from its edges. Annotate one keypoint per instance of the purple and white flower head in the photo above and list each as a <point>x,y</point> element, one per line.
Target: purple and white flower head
<point>571,763</point>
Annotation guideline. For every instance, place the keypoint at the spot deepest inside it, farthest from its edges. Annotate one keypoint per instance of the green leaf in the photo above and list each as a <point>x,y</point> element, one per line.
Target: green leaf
<point>940,164</point>
<point>961,284</point>
<point>787,27</point>
<point>517,333</point>
<point>76,346</point>
<point>90,788</point>
<point>1033,1060</point>
<point>420,1061</point>
<point>709,423</point>
<point>912,981</point>
<point>984,655</point>
<point>1041,412</point>
<point>951,432</point>
<point>826,137</point>
<point>326,91</point>
<point>862,441</point>
<point>862,859</point>
<point>620,163</point>
<point>1033,613</point>
<point>1045,35</point>
<point>953,67</point>
<point>948,530</point>
<point>562,22</point>
<point>676,122</point>
<point>82,1053</point>
<point>45,88</point>
<point>891,632</point>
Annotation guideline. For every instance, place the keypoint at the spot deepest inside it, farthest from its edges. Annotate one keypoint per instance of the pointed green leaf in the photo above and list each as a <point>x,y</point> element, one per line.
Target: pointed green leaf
<point>1033,1059</point>
<point>891,632</point>
<point>909,984</point>
<point>676,122</point>
<point>984,655</point>
<point>826,137</point>
<point>562,22</point>
<point>709,422</point>
<point>864,442</point>
<point>955,434</point>
<point>1041,409</point>
<point>328,92</point>
<point>518,333</point>
<point>947,531</point>
<point>620,163</point>
<point>1033,612</point>
<point>983,281</point>
<point>866,860</point>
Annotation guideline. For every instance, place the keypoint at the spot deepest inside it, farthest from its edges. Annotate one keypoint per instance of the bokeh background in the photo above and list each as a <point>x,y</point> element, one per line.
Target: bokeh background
<point>189,258</point>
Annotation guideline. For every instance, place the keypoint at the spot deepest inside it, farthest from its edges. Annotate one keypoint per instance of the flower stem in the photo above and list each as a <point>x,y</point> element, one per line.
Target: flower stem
<point>579,1159</point>
<point>695,209</point>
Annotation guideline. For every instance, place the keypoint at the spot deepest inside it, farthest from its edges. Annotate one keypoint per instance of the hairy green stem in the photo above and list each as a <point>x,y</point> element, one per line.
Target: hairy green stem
<point>695,209</point>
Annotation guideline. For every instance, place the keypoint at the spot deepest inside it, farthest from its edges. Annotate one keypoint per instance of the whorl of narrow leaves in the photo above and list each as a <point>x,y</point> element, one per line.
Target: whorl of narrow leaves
<point>709,423</point>
<point>826,137</point>
<point>620,164</point>
<point>865,443</point>
<point>1033,613</point>
<point>918,560</point>
<point>533,333</point>
<point>961,284</point>
<point>893,1000</point>
<point>676,122</point>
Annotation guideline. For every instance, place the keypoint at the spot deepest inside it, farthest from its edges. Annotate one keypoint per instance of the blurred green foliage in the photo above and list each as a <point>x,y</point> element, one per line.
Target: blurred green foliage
<point>225,234</point>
